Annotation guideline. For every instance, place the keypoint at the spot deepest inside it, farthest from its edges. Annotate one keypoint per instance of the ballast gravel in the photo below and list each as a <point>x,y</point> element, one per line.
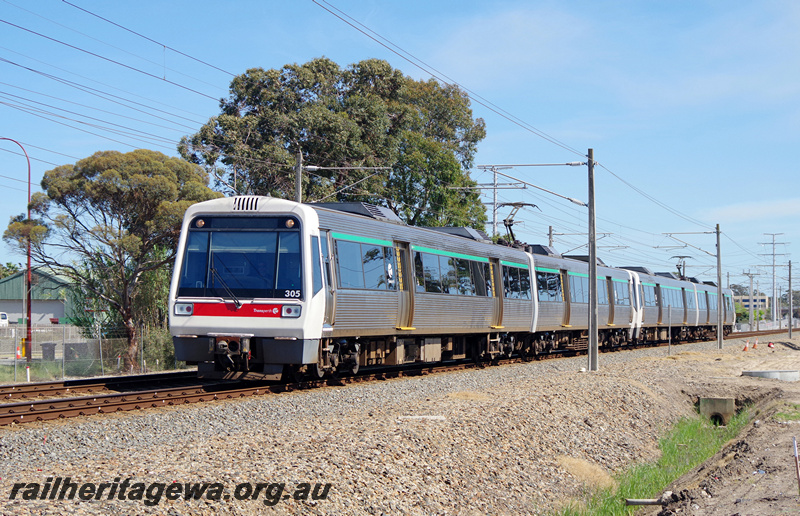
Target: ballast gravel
<point>514,439</point>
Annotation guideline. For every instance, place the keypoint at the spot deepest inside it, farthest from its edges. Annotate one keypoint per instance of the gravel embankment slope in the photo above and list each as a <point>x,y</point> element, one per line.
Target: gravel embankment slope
<point>501,440</point>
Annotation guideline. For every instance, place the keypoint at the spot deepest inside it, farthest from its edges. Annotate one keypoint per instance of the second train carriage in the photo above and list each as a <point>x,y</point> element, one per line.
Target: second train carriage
<point>264,287</point>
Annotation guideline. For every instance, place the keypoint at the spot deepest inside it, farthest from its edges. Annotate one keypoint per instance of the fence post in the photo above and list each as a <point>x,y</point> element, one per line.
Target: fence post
<point>63,350</point>
<point>141,346</point>
<point>100,346</point>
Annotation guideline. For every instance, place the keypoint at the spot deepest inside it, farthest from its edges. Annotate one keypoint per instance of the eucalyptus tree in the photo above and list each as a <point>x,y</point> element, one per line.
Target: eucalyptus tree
<point>108,221</point>
<point>345,121</point>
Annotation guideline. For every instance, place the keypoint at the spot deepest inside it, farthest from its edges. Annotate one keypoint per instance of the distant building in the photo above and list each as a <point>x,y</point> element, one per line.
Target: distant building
<point>49,299</point>
<point>760,302</point>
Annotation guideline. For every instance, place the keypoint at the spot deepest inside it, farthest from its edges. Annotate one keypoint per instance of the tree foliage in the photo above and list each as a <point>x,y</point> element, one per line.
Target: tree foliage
<point>8,269</point>
<point>110,220</point>
<point>367,115</point>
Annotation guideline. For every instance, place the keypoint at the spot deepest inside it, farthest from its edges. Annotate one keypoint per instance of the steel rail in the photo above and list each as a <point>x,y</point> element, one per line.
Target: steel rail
<point>48,409</point>
<point>88,385</point>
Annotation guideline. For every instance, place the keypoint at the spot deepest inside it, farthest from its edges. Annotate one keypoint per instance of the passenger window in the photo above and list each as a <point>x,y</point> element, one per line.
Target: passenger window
<point>524,284</point>
<point>420,272</point>
<point>316,274</point>
<point>391,267</point>
<point>447,268</point>
<point>488,280</point>
<point>465,285</point>
<point>602,291</point>
<point>507,282</point>
<point>479,277</point>
<point>372,258</point>
<point>348,258</point>
<point>548,286</point>
<point>432,273</point>
<point>622,295</point>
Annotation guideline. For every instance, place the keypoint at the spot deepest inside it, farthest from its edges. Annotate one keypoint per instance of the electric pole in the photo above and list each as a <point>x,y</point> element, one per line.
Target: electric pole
<point>750,301</point>
<point>496,186</point>
<point>298,177</point>
<point>774,289</point>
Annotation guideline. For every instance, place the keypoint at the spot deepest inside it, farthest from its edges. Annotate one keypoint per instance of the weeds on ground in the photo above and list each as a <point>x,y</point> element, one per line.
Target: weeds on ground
<point>688,443</point>
<point>791,412</point>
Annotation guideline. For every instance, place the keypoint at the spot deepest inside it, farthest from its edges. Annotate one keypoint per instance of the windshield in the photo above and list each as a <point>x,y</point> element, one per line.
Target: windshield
<point>248,264</point>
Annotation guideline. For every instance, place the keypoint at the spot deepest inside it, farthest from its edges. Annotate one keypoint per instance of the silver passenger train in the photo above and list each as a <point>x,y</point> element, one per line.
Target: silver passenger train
<point>265,287</point>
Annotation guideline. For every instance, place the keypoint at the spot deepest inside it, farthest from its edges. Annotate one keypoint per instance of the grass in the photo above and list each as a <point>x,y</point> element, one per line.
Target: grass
<point>792,413</point>
<point>688,443</point>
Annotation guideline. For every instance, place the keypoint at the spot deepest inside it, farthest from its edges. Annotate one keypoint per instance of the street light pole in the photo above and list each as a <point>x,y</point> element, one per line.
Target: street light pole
<point>593,350</point>
<point>28,276</point>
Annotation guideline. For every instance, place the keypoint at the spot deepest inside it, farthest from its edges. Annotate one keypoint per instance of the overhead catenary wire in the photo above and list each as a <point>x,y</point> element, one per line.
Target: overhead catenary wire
<point>149,39</point>
<point>282,164</point>
<point>97,92</point>
<point>72,29</point>
<point>119,63</point>
<point>418,63</point>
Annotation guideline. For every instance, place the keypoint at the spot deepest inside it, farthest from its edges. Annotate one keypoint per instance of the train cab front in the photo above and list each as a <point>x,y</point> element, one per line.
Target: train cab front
<point>246,293</point>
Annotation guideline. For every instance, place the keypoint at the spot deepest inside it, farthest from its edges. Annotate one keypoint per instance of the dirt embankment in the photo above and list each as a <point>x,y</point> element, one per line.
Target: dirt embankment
<point>755,473</point>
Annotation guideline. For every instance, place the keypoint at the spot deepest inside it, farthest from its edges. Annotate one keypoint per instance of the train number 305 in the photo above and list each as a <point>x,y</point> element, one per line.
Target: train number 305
<point>291,293</point>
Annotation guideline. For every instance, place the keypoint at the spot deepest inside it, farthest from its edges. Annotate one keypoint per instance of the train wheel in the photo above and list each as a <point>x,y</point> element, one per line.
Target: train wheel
<point>293,373</point>
<point>317,371</point>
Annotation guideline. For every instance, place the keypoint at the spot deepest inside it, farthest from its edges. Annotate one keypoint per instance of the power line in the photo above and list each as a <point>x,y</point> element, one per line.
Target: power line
<point>88,107</point>
<point>96,92</point>
<point>110,45</point>
<point>148,39</point>
<point>133,68</point>
<point>418,63</point>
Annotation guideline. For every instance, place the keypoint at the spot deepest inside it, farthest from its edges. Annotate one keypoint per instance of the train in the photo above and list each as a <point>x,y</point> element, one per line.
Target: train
<point>266,288</point>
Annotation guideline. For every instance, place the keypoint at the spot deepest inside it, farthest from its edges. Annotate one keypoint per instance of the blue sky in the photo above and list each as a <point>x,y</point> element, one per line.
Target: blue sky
<point>692,107</point>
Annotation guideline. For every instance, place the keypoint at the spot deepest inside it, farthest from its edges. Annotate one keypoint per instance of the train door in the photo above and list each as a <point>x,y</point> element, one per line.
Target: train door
<point>661,304</point>
<point>637,302</point>
<point>330,292</point>
<point>609,299</point>
<point>609,288</point>
<point>496,273</point>
<point>685,299</point>
<point>641,302</point>
<point>405,286</point>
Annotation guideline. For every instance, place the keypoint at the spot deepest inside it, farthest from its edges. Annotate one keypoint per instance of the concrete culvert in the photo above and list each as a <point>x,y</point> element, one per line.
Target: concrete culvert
<point>718,410</point>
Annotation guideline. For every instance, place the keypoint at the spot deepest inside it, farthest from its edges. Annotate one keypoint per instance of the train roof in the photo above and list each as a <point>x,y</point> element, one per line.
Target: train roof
<point>583,258</point>
<point>362,208</point>
<point>638,268</point>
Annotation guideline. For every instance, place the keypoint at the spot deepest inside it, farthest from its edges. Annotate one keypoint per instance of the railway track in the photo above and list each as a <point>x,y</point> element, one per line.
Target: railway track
<point>56,408</point>
<point>90,385</point>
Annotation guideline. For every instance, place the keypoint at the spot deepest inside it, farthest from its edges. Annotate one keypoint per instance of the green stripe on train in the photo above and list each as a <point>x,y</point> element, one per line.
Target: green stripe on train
<point>363,240</point>
<point>448,253</point>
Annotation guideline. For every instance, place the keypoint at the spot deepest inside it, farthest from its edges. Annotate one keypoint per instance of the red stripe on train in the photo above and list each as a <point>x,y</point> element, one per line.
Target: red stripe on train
<point>229,310</point>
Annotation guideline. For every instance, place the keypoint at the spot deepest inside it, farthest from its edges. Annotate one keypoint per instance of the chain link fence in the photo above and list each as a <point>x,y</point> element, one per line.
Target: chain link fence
<point>65,351</point>
<point>768,325</point>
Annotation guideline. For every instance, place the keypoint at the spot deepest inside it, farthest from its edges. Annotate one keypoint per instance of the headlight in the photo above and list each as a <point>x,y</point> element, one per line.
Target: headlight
<point>184,308</point>
<point>290,311</point>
